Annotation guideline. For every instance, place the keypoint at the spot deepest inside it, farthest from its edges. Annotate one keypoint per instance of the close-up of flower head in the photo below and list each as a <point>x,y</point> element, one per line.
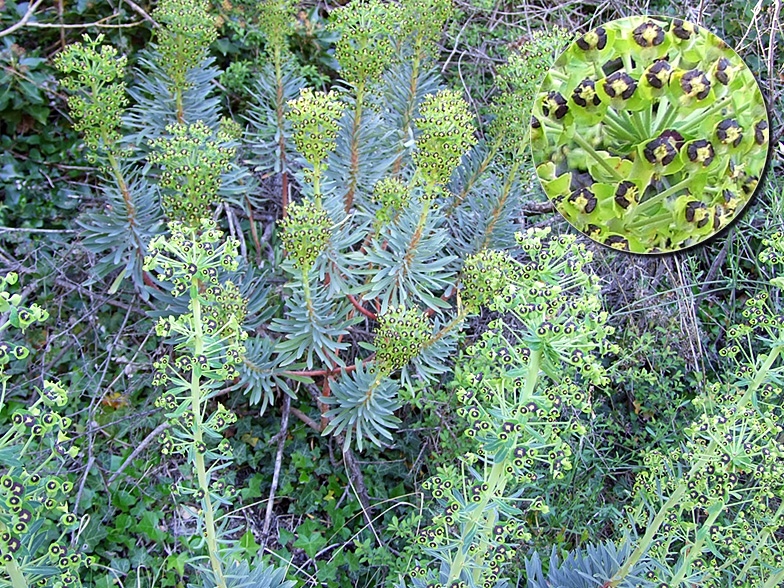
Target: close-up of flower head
<point>644,126</point>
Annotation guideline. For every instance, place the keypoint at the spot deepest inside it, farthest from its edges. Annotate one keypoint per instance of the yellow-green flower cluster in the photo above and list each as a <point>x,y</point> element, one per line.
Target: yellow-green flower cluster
<point>365,49</point>
<point>191,162</point>
<point>774,254</point>
<point>184,37</point>
<point>520,78</point>
<point>95,79</point>
<point>423,21</point>
<point>446,132</point>
<point>275,20</point>
<point>314,118</point>
<point>190,253</point>
<point>485,276</point>
<point>305,232</point>
<point>399,338</point>
<point>19,317</point>
<point>26,500</point>
<point>393,196</point>
<point>191,259</point>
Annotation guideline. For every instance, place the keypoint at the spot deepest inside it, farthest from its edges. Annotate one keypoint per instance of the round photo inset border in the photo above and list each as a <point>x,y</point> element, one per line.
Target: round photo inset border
<point>649,134</point>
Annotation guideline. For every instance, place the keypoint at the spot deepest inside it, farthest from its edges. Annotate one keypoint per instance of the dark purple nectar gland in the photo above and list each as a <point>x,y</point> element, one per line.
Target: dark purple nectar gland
<point>749,185</point>
<point>697,212</point>
<point>761,133</point>
<point>696,83</point>
<point>592,231</point>
<point>729,132</point>
<point>595,39</point>
<point>684,30</point>
<point>617,242</point>
<point>620,84</point>
<point>554,102</point>
<point>626,194</point>
<point>584,93</point>
<point>660,151</point>
<point>658,74</point>
<point>721,74</point>
<point>584,199</point>
<point>648,34</point>
<point>701,151</point>
<point>718,213</point>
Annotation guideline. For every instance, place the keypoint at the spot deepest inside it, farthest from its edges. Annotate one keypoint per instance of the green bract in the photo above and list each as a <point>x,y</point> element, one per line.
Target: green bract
<point>649,134</point>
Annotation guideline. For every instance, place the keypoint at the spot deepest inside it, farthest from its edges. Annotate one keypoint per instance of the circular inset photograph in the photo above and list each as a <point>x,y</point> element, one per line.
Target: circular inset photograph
<point>649,134</point>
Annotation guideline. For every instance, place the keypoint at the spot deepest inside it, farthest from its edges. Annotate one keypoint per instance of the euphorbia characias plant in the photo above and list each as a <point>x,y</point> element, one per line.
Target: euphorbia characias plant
<point>523,387</point>
<point>207,342</point>
<point>649,134</point>
<point>712,511</point>
<point>34,513</point>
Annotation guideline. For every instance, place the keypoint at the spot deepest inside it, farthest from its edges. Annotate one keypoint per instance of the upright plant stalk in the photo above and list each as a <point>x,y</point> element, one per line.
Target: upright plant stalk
<point>408,114</point>
<point>354,145</point>
<point>676,497</point>
<point>209,345</point>
<point>279,104</point>
<point>505,406</point>
<point>499,205</point>
<point>196,409</point>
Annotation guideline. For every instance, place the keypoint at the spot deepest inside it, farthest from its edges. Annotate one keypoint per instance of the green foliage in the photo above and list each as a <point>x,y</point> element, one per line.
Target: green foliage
<point>594,566</point>
<point>372,260</point>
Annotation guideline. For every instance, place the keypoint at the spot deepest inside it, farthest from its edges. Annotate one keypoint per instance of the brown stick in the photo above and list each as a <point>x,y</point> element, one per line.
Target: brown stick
<point>284,426</point>
<point>154,433</point>
<point>305,419</point>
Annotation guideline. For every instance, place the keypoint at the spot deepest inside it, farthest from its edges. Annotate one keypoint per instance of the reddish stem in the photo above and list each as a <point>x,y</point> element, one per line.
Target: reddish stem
<point>360,308</point>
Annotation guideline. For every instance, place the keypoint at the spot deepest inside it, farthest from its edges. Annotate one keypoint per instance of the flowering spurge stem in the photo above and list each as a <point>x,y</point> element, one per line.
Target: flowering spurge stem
<point>602,161</point>
<point>97,101</point>
<point>518,426</point>
<point>495,487</point>
<point>499,206</point>
<point>28,493</point>
<point>208,341</point>
<point>17,578</point>
<point>197,411</point>
<point>695,549</point>
<point>354,146</point>
<point>724,447</point>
